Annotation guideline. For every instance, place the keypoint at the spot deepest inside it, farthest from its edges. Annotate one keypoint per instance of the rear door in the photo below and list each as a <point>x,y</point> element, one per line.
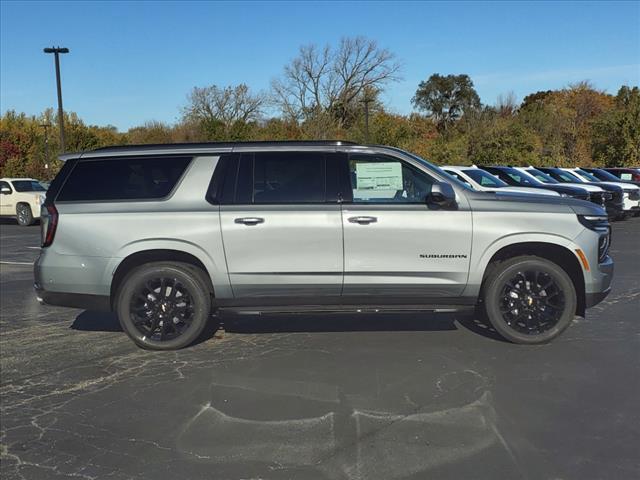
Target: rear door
<point>394,244</point>
<point>282,229</point>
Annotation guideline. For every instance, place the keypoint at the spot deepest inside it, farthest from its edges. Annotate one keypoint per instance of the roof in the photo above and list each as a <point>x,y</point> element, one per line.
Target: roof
<point>203,147</point>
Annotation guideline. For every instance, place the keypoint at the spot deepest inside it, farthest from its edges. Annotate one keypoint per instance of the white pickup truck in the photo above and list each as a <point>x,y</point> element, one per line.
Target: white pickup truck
<point>21,198</point>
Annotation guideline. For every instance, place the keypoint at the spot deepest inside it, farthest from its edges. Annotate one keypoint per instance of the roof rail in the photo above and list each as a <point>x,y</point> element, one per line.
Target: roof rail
<point>173,146</point>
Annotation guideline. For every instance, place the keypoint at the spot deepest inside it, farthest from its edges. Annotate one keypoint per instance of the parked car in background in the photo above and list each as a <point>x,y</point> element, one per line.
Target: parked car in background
<point>612,195</point>
<point>630,192</point>
<point>607,176</point>
<point>513,177</point>
<point>632,174</point>
<point>21,198</point>
<point>164,234</point>
<point>596,194</point>
<point>483,181</point>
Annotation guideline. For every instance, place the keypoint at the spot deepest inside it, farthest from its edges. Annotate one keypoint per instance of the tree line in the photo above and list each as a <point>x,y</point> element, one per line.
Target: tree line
<point>335,92</point>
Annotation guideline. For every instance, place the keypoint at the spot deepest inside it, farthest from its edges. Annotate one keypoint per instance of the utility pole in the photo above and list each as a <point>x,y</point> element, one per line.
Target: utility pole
<point>56,52</point>
<point>46,144</point>
<point>368,97</point>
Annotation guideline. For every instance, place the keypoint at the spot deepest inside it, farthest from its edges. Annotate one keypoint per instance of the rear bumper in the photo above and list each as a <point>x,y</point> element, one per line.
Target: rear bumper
<point>72,300</point>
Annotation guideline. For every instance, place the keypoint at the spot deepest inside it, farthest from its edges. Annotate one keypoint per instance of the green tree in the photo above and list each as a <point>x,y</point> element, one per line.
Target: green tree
<point>617,134</point>
<point>446,98</point>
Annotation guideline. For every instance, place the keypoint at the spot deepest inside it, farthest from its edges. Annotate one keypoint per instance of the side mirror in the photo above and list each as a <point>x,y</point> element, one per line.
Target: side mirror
<point>442,196</point>
<point>5,190</point>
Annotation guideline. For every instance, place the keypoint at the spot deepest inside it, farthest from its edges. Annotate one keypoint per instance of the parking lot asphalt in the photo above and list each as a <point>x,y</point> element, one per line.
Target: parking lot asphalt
<point>318,396</point>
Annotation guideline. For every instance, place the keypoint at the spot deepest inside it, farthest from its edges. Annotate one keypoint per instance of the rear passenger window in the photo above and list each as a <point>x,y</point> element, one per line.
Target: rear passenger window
<point>123,179</point>
<point>288,177</point>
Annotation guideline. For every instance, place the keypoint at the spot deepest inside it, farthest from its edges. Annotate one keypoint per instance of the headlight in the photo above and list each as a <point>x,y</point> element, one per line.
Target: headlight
<point>600,224</point>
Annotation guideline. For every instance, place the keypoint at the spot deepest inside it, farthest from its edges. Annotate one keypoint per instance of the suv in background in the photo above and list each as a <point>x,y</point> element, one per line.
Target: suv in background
<point>21,198</point>
<point>614,198</point>
<point>165,234</point>
<point>512,176</point>
<point>630,192</point>
<point>483,181</point>
<point>632,174</point>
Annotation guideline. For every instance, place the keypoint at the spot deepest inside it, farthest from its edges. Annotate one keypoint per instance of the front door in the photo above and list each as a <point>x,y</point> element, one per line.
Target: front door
<point>282,232</point>
<point>6,200</point>
<point>394,244</point>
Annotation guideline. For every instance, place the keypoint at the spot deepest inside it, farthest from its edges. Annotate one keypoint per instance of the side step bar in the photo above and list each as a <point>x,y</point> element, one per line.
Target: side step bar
<point>304,309</point>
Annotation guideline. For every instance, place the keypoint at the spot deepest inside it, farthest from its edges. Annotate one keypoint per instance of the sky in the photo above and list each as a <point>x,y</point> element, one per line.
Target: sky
<point>132,62</point>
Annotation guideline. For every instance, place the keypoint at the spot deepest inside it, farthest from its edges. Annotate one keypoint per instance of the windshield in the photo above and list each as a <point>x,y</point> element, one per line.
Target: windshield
<point>521,178</point>
<point>567,177</point>
<point>588,176</point>
<point>541,176</point>
<point>485,179</point>
<point>604,175</point>
<point>447,175</point>
<point>27,186</point>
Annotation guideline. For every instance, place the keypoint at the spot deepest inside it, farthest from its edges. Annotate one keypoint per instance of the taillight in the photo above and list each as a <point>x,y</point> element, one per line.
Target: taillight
<point>48,224</point>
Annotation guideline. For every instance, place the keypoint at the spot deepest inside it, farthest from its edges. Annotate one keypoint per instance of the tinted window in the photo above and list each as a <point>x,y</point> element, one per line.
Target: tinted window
<point>457,176</point>
<point>382,179</point>
<point>27,186</point>
<point>6,185</point>
<point>288,177</point>
<point>485,179</point>
<point>540,176</point>
<point>123,179</point>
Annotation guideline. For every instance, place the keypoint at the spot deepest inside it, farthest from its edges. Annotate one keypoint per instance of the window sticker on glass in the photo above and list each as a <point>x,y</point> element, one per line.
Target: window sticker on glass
<point>379,176</point>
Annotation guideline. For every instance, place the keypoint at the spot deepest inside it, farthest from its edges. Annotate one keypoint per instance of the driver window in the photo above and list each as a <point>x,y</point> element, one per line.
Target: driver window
<point>383,179</point>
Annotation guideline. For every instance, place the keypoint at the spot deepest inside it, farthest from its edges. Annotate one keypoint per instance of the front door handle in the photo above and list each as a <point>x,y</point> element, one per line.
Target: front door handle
<point>249,220</point>
<point>363,220</point>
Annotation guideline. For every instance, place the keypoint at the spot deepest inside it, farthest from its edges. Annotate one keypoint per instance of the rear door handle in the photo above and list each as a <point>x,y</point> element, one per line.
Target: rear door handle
<point>249,220</point>
<point>363,220</point>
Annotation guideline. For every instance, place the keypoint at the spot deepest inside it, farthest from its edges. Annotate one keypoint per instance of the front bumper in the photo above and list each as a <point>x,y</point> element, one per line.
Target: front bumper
<point>591,299</point>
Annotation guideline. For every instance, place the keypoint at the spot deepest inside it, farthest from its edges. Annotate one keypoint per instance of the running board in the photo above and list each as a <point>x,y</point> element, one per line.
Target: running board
<point>302,309</point>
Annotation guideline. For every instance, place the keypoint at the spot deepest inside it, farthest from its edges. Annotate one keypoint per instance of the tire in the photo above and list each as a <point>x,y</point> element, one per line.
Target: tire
<point>24,215</point>
<point>529,300</point>
<point>157,316</point>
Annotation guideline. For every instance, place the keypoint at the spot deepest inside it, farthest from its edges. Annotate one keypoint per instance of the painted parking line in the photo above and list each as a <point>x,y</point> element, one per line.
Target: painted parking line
<point>34,248</point>
<point>16,263</point>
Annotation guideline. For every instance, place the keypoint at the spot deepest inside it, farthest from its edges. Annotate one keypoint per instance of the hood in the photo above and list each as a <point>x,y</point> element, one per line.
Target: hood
<point>528,190</point>
<point>587,186</point>
<point>624,186</point>
<point>525,202</point>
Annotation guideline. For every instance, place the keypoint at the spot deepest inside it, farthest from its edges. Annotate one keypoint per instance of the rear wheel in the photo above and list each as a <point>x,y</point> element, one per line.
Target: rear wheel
<point>24,214</point>
<point>529,300</point>
<point>164,305</point>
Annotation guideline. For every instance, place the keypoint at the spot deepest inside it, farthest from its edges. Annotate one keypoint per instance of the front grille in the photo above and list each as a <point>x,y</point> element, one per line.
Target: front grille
<point>617,196</point>
<point>597,197</point>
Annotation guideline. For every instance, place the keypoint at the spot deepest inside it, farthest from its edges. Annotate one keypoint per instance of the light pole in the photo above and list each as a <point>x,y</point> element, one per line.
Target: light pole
<point>46,144</point>
<point>56,52</point>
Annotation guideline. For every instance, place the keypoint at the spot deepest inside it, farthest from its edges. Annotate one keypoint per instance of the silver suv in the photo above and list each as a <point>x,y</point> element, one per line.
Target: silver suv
<point>166,234</point>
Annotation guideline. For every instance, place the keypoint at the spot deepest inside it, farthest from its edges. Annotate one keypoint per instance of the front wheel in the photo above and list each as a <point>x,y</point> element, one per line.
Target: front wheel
<point>529,300</point>
<point>164,305</point>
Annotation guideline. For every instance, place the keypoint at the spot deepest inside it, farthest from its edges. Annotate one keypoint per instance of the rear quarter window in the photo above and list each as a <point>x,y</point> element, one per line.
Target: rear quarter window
<point>123,179</point>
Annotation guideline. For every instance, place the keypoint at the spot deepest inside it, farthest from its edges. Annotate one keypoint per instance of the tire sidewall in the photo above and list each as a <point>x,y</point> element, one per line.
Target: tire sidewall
<point>197,290</point>
<point>504,273</point>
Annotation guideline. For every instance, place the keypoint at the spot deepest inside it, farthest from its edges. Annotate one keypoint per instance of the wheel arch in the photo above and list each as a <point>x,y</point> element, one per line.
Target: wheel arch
<point>558,254</point>
<point>141,257</point>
